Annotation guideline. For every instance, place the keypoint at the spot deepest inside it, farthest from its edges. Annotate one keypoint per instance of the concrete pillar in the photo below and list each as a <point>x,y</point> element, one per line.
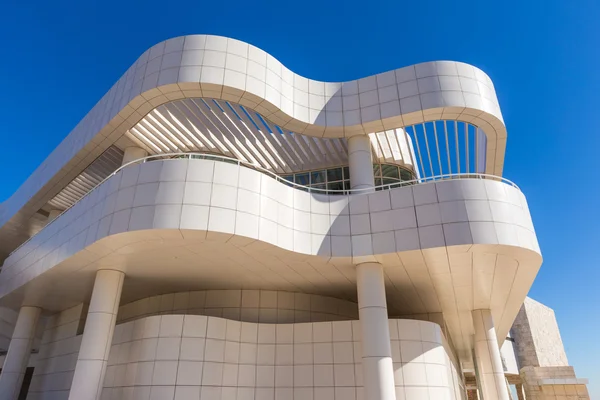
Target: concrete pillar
<point>360,162</point>
<point>490,373</point>
<point>97,336</point>
<point>378,370</point>
<point>19,350</point>
<point>132,154</point>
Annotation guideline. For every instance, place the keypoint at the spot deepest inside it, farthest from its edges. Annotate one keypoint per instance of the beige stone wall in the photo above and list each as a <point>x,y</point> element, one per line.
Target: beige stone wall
<point>537,336</point>
<point>541,356</point>
<point>531,377</point>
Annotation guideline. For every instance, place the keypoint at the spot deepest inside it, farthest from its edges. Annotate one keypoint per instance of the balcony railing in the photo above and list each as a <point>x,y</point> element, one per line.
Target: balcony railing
<point>231,160</point>
<point>214,157</point>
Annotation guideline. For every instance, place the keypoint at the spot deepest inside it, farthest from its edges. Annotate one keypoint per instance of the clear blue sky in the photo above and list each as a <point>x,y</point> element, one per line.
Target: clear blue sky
<point>58,58</point>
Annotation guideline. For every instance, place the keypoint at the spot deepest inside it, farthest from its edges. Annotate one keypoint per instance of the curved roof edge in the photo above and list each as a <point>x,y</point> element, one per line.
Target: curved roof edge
<point>229,69</point>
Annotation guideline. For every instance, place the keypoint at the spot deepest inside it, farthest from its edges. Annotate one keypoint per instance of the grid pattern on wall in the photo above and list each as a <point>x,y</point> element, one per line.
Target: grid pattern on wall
<point>265,306</point>
<point>176,357</point>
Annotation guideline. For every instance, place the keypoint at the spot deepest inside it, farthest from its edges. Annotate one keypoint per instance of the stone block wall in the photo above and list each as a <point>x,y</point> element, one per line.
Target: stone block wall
<point>565,385</point>
<point>537,336</point>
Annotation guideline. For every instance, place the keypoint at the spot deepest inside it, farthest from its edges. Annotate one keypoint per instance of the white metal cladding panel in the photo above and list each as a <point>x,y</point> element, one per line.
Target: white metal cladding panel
<point>175,355</point>
<point>467,231</point>
<point>222,68</point>
<point>425,216</point>
<point>266,306</point>
<point>198,355</point>
<point>174,194</point>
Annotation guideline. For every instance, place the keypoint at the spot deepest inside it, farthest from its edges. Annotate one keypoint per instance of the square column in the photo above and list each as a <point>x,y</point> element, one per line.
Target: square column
<point>490,374</point>
<point>19,350</point>
<point>378,370</point>
<point>97,336</point>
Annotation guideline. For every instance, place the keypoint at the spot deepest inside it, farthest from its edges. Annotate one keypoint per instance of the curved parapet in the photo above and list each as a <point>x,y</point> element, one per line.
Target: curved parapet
<point>228,69</point>
<point>223,68</point>
<point>209,357</point>
<point>448,246</point>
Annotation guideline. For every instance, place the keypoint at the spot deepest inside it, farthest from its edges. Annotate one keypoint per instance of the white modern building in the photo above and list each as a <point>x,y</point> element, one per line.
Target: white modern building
<point>219,227</point>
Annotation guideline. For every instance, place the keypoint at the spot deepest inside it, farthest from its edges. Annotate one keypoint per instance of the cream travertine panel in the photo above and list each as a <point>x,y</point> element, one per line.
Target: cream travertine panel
<point>228,69</point>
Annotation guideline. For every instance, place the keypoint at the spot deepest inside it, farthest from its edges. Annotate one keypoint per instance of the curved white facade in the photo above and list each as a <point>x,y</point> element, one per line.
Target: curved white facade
<point>191,357</point>
<point>208,237</point>
<point>248,305</point>
<point>222,68</point>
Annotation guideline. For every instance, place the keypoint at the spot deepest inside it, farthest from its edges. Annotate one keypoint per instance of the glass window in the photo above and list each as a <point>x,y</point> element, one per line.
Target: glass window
<point>317,177</point>
<point>334,174</point>
<point>387,181</point>
<point>376,170</point>
<point>336,185</point>
<point>302,179</point>
<point>406,175</point>
<point>389,171</point>
<point>339,178</point>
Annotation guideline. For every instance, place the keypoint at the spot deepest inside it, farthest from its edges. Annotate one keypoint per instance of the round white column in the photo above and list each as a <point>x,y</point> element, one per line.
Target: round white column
<point>19,350</point>
<point>490,374</point>
<point>97,336</point>
<point>360,162</point>
<point>132,154</point>
<point>378,370</point>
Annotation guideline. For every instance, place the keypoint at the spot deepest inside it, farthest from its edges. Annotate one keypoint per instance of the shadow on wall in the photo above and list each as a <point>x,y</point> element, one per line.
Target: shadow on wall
<point>208,206</point>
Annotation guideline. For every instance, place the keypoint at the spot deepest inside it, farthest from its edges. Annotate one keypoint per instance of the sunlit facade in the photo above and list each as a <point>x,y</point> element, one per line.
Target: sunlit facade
<point>219,227</point>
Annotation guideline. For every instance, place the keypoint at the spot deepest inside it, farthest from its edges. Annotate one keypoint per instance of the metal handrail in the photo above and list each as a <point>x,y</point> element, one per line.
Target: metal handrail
<point>208,156</point>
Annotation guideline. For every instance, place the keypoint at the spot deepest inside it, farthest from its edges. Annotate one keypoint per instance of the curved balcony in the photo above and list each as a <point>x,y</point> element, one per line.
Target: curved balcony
<point>194,67</point>
<point>449,244</point>
<point>285,179</point>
